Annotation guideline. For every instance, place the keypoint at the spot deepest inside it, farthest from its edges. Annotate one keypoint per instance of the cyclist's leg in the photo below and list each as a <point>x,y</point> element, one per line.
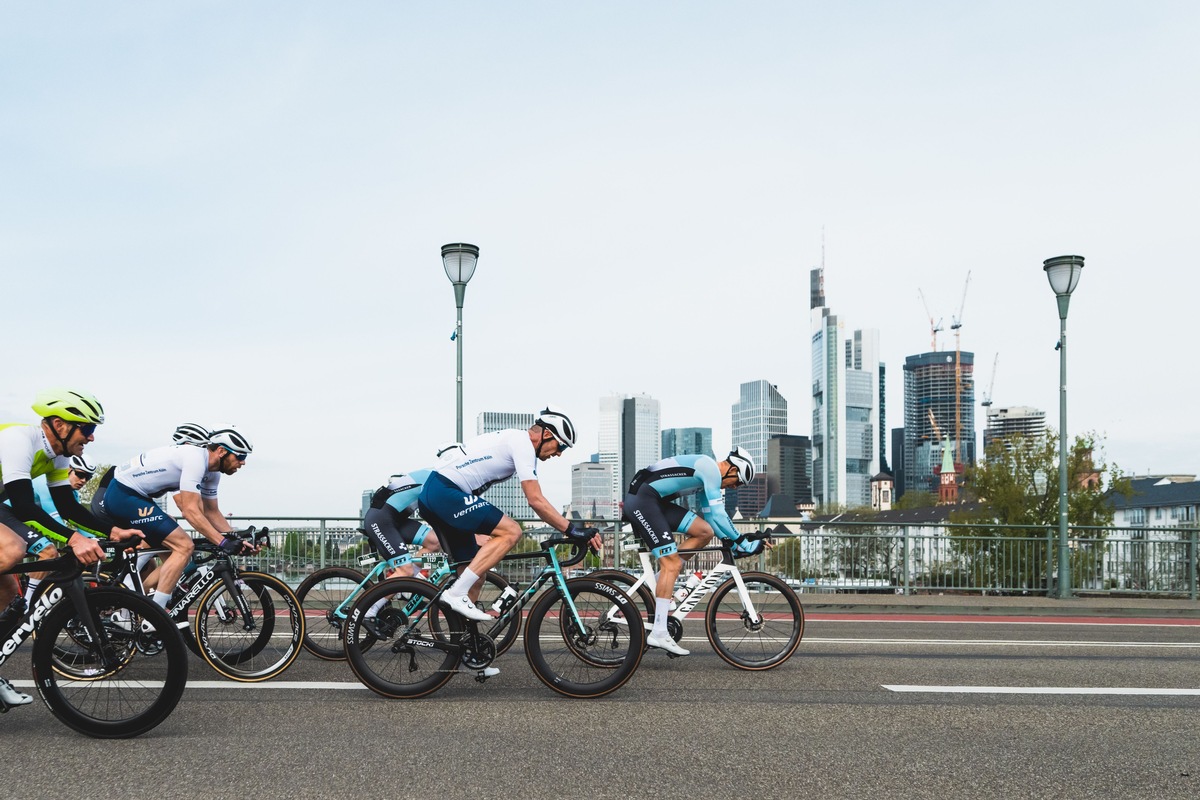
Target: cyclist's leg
<point>457,517</point>
<point>654,521</point>
<point>385,528</point>
<point>181,547</point>
<point>12,550</point>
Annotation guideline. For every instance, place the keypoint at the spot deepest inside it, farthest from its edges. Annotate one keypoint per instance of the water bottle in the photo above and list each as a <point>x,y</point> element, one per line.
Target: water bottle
<point>504,600</point>
<point>692,582</point>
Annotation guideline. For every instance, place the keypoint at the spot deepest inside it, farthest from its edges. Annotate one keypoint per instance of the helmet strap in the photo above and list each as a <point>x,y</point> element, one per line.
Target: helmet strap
<point>62,440</point>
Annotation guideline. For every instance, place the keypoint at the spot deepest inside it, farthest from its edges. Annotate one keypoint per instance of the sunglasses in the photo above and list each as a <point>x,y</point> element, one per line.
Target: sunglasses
<point>88,429</point>
<point>239,456</point>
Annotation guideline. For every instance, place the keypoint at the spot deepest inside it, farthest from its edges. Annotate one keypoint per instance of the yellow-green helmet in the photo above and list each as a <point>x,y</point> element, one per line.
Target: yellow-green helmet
<point>69,405</point>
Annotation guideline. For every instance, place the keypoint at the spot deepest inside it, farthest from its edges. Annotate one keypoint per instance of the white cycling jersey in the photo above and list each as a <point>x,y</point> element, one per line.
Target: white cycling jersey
<point>25,453</point>
<point>491,458</point>
<point>176,467</point>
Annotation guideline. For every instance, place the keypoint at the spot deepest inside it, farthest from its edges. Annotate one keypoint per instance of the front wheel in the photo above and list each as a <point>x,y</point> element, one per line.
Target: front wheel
<point>591,651</point>
<point>118,688</point>
<point>253,648</point>
<point>326,597</point>
<point>392,651</point>
<point>761,633</point>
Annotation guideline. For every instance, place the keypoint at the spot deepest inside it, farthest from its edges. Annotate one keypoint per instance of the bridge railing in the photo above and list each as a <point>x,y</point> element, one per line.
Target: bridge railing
<point>854,556</point>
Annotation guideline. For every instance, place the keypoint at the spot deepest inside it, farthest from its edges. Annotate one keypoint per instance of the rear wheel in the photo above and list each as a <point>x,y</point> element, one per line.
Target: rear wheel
<point>588,653</point>
<point>645,594</point>
<point>116,689</point>
<point>393,653</point>
<point>493,587</point>
<point>759,636</point>
<point>321,595</point>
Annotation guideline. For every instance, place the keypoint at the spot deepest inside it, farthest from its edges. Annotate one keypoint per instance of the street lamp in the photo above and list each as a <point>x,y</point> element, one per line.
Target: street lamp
<point>459,259</point>
<point>1063,273</point>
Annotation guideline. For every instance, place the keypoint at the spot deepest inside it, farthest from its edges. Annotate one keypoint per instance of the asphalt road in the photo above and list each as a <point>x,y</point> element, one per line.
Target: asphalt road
<point>825,724</point>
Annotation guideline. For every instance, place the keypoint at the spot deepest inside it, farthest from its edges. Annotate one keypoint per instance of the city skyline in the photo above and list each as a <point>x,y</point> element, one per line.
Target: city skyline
<point>242,208</point>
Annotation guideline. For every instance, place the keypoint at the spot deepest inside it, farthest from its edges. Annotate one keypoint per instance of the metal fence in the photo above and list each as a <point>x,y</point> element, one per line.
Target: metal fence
<point>858,557</point>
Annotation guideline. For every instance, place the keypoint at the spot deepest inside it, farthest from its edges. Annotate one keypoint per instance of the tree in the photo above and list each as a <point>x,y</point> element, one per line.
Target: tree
<point>916,499</point>
<point>1016,487</point>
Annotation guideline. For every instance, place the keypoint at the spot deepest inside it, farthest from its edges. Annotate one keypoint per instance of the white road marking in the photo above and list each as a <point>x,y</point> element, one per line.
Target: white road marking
<point>998,643</point>
<point>1100,690</point>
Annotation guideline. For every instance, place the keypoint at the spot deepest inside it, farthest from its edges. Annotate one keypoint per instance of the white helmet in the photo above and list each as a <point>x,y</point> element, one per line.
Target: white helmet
<point>232,440</point>
<point>191,433</point>
<point>558,423</point>
<point>81,466</point>
<point>743,463</point>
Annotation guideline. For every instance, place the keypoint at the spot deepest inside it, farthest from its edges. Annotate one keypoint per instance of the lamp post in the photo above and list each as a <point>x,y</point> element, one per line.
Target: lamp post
<point>1063,273</point>
<point>459,259</point>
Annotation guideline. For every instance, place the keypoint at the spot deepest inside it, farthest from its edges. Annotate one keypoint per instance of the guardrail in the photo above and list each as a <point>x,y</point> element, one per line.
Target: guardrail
<point>859,557</point>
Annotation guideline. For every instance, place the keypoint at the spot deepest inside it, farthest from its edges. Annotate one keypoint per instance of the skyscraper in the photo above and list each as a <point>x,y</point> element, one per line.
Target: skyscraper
<point>848,429</point>
<point>682,441</point>
<point>508,496</point>
<point>1004,423</point>
<point>629,437</point>
<point>789,470</point>
<point>760,414</point>
<point>931,410</point>
<point>591,491</point>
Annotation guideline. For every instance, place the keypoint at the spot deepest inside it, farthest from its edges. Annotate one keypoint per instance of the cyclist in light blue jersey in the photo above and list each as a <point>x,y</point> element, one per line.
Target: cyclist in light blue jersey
<point>390,521</point>
<point>655,519</point>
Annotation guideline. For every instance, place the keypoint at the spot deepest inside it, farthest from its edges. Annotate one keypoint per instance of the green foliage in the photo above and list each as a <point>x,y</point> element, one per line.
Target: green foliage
<point>916,499</point>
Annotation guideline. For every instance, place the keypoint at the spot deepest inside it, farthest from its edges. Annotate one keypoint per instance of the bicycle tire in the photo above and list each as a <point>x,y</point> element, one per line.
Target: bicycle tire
<point>626,581</point>
<point>754,646</point>
<point>502,636</point>
<point>596,660</point>
<point>124,701</point>
<point>320,594</point>
<point>393,657</point>
<point>249,656</point>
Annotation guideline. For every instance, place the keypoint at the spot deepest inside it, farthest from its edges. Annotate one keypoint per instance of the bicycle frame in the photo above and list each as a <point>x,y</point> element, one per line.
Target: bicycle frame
<point>715,576</point>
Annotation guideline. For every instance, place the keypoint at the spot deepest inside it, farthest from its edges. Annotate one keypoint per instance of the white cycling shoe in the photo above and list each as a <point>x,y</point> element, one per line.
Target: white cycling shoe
<point>9,696</point>
<point>487,672</point>
<point>462,605</point>
<point>665,642</point>
<point>123,621</point>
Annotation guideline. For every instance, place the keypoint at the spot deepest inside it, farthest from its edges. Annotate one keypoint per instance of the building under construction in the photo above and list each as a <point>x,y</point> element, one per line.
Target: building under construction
<point>939,412</point>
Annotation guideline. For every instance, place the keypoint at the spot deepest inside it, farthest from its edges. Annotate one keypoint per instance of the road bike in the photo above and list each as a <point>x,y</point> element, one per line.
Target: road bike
<point>328,594</point>
<point>583,637</point>
<point>248,626</point>
<point>754,620</point>
<point>99,677</point>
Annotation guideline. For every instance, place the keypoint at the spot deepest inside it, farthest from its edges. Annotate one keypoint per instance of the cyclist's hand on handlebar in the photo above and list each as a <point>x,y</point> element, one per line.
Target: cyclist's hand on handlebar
<point>86,549</point>
<point>121,534</point>
<point>233,545</point>
<point>579,533</point>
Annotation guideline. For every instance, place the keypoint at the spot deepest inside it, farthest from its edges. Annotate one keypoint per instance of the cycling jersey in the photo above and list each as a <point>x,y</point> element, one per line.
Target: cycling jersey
<point>176,467</point>
<point>450,501</point>
<point>488,459</point>
<point>654,517</point>
<point>26,453</point>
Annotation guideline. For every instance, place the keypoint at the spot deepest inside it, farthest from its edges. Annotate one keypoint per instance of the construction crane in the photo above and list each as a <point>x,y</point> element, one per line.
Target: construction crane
<point>934,327</point>
<point>956,326</point>
<point>936,430</point>
<point>987,396</point>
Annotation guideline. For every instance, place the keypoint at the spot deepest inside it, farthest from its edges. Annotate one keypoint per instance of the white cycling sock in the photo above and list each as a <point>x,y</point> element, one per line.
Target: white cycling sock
<point>162,598</point>
<point>29,590</point>
<point>373,610</point>
<point>464,583</point>
<point>662,606</point>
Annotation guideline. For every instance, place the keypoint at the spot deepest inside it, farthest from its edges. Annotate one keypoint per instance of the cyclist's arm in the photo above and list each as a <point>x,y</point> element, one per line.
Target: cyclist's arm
<point>714,502</point>
<point>192,508</point>
<point>546,512</point>
<point>70,509</point>
<point>24,504</point>
<point>212,512</point>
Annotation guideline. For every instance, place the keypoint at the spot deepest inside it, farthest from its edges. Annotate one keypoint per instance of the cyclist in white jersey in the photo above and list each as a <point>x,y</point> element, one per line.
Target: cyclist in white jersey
<point>193,472</point>
<point>68,424</point>
<point>450,501</point>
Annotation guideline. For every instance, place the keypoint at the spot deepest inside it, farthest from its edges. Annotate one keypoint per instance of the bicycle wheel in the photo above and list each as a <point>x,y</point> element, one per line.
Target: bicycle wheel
<point>320,595</point>
<point>593,660</point>
<point>392,653</point>
<point>502,635</point>
<point>124,688</point>
<point>752,644</point>
<point>257,649</point>
<point>625,581</point>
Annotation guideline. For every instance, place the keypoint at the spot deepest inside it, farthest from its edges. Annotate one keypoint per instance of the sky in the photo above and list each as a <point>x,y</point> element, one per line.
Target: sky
<point>232,213</point>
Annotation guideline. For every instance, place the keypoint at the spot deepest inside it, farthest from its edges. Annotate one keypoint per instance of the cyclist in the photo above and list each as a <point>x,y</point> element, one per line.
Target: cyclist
<point>68,423</point>
<point>194,473</point>
<point>450,501</point>
<point>390,523</point>
<point>655,519</point>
